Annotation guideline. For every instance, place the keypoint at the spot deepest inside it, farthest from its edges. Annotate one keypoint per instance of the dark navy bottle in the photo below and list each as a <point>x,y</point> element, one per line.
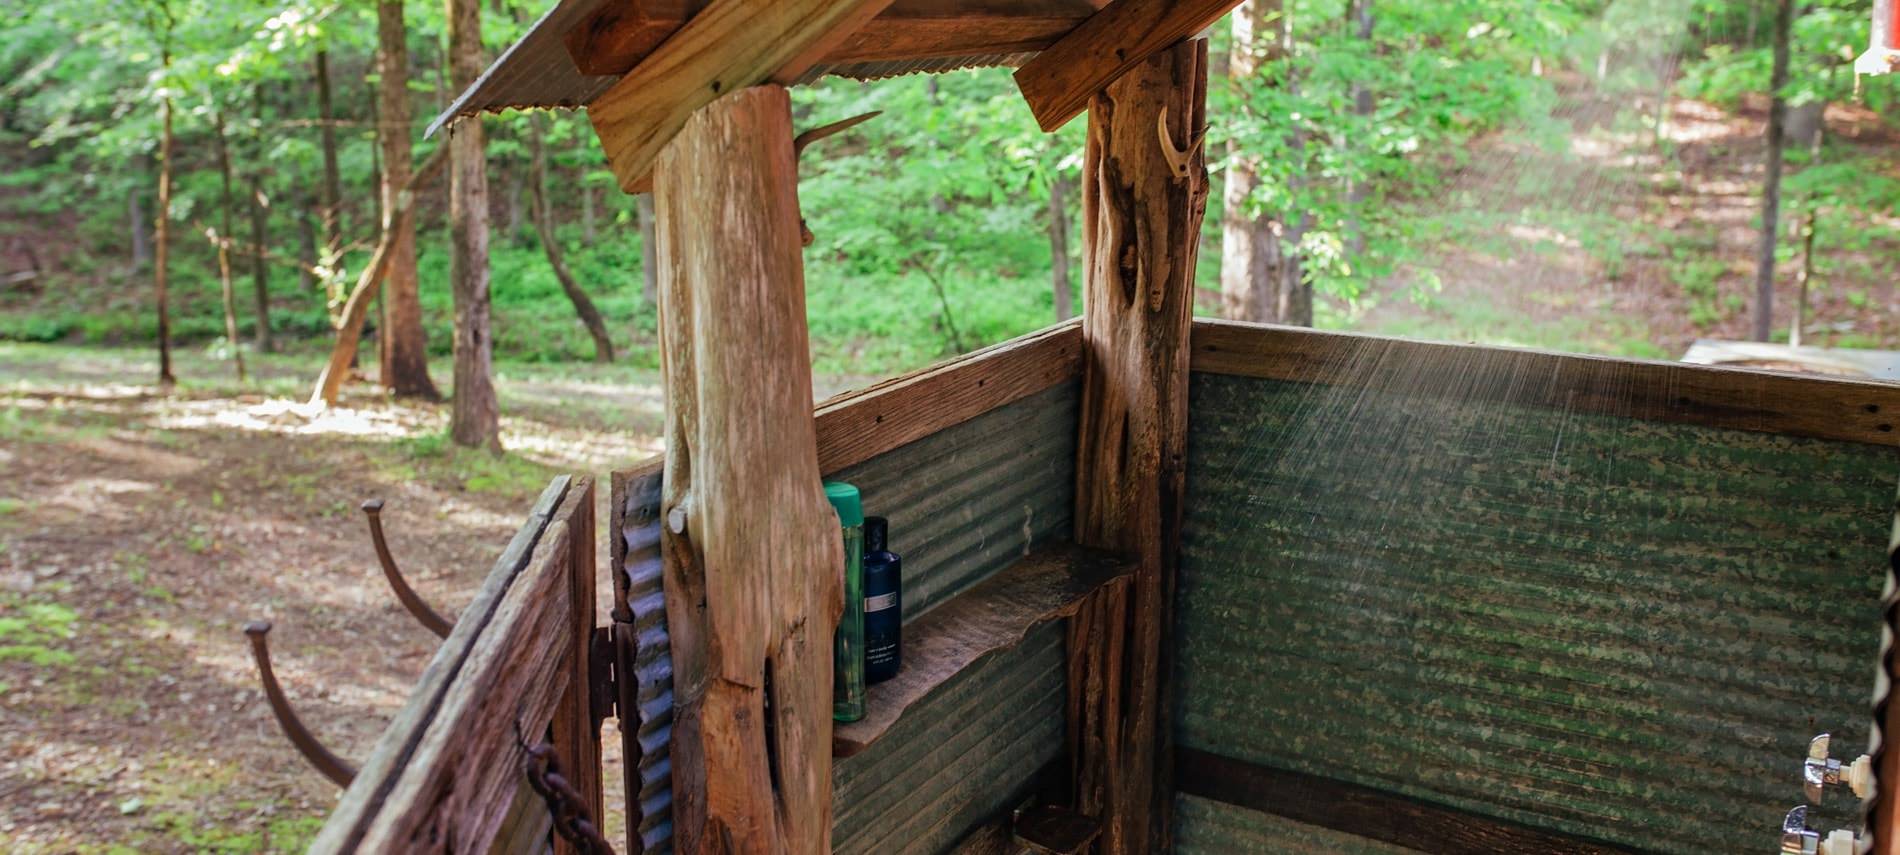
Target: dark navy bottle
<point>883,603</point>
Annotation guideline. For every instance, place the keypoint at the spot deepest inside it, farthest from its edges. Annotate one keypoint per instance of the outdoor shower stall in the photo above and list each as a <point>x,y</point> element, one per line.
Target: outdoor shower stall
<point>1170,583</point>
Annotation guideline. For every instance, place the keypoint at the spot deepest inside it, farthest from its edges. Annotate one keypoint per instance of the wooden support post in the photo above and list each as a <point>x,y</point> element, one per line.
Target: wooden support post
<point>751,552</point>
<point>1144,194</point>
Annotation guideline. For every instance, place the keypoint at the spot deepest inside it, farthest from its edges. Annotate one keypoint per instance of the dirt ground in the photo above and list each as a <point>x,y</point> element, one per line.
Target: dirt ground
<point>138,533</point>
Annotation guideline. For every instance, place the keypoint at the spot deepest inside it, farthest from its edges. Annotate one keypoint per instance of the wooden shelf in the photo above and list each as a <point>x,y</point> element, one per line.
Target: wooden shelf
<point>995,615</point>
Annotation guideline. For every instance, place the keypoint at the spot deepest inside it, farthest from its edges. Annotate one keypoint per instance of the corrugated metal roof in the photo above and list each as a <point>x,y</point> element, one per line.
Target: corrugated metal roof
<point>537,71</point>
<point>1618,629</point>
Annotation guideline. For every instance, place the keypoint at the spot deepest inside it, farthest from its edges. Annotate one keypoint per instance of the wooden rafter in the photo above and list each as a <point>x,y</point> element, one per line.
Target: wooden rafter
<point>615,39</point>
<point>1059,82</point>
<point>728,46</point>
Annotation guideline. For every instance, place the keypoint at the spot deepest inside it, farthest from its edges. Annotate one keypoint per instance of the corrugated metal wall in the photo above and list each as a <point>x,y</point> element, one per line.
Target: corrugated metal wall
<point>963,504</point>
<point>960,758</point>
<point>1624,630</point>
<point>968,501</point>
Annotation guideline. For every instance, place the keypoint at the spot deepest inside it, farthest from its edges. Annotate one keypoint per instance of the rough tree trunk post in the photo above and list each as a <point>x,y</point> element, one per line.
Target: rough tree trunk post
<point>1246,263</point>
<point>405,352</point>
<point>1142,205</point>
<point>543,215</point>
<point>751,553</point>
<point>1059,248</point>
<point>475,417</point>
<point>1771,181</point>
<point>162,237</point>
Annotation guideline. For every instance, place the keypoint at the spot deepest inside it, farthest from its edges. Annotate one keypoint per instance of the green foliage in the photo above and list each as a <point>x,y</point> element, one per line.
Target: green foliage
<point>33,631</point>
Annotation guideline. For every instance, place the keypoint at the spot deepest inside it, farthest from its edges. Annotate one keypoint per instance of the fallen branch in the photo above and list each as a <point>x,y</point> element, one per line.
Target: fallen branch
<point>356,308</point>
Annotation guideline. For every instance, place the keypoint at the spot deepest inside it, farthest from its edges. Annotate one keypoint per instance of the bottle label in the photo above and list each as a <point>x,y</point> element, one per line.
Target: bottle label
<point>880,602</point>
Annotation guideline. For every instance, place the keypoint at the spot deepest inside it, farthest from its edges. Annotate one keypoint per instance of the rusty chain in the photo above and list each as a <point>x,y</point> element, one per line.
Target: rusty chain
<point>571,819</point>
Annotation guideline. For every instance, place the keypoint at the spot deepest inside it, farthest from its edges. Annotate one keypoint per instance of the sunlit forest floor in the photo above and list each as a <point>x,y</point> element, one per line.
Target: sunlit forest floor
<point>138,531</point>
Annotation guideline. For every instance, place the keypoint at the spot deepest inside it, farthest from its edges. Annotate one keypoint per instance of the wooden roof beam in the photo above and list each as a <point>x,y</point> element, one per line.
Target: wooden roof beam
<point>1059,82</point>
<point>615,39</point>
<point>728,46</point>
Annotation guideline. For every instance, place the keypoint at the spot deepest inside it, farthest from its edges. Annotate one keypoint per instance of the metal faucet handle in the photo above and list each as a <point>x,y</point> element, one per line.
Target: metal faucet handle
<point>1796,837</point>
<point>1820,771</point>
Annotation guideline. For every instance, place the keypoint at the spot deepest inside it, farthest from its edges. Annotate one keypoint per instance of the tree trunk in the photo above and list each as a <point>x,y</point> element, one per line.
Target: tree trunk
<point>1059,248</point>
<point>223,242</point>
<point>356,309</point>
<point>135,221</point>
<point>543,214</point>
<point>752,568</point>
<point>1141,226</point>
<point>475,418</point>
<point>587,210</point>
<point>517,188</point>
<point>260,228</point>
<point>332,187</point>
<point>1359,18</point>
<point>1771,182</point>
<point>649,251</point>
<point>162,237</point>
<point>1248,250</point>
<point>1806,276</point>
<point>405,353</point>
<point>1295,291</point>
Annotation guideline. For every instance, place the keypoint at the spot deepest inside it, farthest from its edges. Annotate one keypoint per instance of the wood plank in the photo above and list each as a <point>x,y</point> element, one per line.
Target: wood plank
<point>1142,209</point>
<point>1367,812</point>
<point>615,39</point>
<point>1736,398</point>
<point>360,803</point>
<point>995,615</point>
<point>573,731</point>
<point>752,558</point>
<point>1061,80</point>
<point>462,779</point>
<point>730,45</point>
<point>856,426</point>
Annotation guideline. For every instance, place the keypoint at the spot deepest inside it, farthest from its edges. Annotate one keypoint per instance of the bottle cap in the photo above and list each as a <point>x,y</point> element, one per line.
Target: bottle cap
<point>844,499</point>
<point>877,533</point>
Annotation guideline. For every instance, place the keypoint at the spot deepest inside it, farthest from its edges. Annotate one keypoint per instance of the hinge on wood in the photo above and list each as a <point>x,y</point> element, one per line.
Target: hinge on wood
<point>601,690</point>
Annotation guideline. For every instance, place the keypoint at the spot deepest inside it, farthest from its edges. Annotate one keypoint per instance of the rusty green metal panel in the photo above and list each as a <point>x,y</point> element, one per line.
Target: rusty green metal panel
<point>969,500</point>
<point>1205,827</point>
<point>1618,629</point>
<point>961,757</point>
<point>965,503</point>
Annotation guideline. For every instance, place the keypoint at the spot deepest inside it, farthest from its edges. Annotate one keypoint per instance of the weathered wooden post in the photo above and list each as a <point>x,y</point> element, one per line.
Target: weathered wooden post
<point>1144,185</point>
<point>752,550</point>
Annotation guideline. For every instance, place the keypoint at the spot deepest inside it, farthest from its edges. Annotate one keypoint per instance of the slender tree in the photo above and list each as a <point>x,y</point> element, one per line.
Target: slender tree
<point>1059,248</point>
<point>1249,250</point>
<point>260,226</point>
<point>475,418</point>
<point>405,352</point>
<point>331,198</point>
<point>165,24</point>
<point>221,238</point>
<point>1771,181</point>
<point>543,214</point>
<point>649,251</point>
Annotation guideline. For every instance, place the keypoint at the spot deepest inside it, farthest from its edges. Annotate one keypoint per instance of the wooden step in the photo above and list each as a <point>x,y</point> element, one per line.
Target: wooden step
<point>996,614</point>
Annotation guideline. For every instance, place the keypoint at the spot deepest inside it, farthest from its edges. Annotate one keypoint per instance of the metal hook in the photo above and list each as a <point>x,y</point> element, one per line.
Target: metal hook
<point>1180,161</point>
<point>338,770</point>
<point>410,600</point>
